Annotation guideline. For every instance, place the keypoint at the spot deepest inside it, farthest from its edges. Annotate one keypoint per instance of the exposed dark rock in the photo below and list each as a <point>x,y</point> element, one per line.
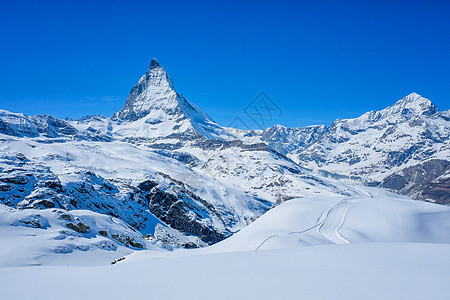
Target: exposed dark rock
<point>55,185</point>
<point>36,221</point>
<point>18,179</point>
<point>66,217</point>
<point>219,144</point>
<point>422,181</point>
<point>79,227</point>
<point>117,260</point>
<point>147,185</point>
<point>185,158</point>
<point>126,240</point>
<point>182,213</point>
<point>44,204</point>
<point>189,245</point>
<point>437,190</point>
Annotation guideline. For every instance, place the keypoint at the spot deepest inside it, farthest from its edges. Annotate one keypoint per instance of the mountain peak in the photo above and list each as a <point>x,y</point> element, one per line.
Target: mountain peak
<point>413,97</point>
<point>154,90</point>
<point>414,94</point>
<point>154,64</point>
<point>414,104</point>
<point>160,110</point>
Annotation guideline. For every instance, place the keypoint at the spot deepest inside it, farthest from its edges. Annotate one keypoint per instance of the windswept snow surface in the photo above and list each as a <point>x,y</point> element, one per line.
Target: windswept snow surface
<point>354,271</point>
<point>321,248</point>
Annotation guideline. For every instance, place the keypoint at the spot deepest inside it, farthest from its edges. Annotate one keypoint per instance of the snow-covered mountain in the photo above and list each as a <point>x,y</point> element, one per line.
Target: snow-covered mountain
<point>379,148</point>
<point>154,110</point>
<point>163,167</point>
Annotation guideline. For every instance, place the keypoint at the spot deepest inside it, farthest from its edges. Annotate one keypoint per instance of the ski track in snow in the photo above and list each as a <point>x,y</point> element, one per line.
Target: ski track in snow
<point>272,236</point>
<point>327,227</point>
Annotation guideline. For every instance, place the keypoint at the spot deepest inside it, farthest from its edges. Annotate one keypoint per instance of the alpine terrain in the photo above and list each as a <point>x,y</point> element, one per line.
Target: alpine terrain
<point>140,189</point>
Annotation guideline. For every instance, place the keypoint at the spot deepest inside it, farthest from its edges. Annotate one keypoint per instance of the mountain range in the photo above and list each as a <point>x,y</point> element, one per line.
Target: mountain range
<point>162,169</point>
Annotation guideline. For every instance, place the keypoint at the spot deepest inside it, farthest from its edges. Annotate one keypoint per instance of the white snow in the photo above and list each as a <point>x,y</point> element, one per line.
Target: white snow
<point>34,237</point>
<point>320,221</point>
<point>355,271</point>
<point>367,248</point>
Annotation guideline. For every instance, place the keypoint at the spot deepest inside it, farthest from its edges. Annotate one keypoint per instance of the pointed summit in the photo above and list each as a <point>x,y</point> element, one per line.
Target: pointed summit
<point>154,90</point>
<point>154,64</point>
<point>414,104</point>
<point>154,109</point>
<point>413,96</point>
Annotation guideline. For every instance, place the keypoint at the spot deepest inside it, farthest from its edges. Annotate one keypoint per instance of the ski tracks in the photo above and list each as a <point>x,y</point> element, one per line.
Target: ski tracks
<point>328,224</point>
<point>335,219</point>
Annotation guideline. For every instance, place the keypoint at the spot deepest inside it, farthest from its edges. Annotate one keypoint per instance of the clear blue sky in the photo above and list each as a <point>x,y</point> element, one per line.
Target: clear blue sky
<point>318,60</point>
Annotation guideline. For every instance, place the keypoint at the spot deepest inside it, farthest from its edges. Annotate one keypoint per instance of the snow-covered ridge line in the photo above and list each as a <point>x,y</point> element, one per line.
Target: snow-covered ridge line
<point>375,146</point>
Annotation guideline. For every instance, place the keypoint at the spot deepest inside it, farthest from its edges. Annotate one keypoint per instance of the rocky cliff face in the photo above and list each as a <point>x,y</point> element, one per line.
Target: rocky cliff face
<point>429,180</point>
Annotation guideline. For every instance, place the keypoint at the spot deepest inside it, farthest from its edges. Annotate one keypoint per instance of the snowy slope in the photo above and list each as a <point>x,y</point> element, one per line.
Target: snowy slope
<point>34,237</point>
<point>356,271</point>
<point>123,180</point>
<point>321,221</point>
<point>347,248</point>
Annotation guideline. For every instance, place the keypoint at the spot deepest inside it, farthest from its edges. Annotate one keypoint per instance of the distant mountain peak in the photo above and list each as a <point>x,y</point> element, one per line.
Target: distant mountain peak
<point>413,96</point>
<point>154,64</point>
<point>161,110</point>
<point>414,104</point>
<point>154,90</point>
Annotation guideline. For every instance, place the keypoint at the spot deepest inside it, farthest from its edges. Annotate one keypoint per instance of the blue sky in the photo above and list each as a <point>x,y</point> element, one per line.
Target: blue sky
<point>317,60</point>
